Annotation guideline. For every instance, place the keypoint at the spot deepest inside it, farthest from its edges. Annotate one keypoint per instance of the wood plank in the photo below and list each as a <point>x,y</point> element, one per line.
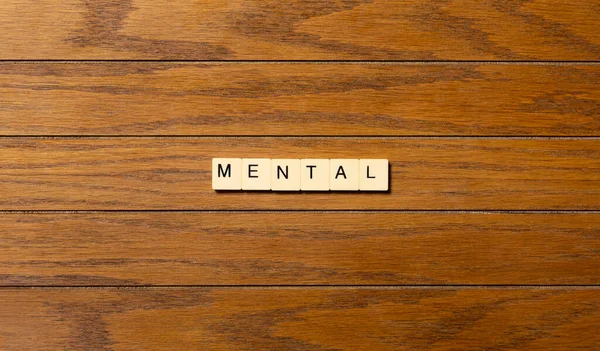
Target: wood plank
<point>298,248</point>
<point>300,319</point>
<point>299,99</point>
<point>175,173</point>
<point>300,30</point>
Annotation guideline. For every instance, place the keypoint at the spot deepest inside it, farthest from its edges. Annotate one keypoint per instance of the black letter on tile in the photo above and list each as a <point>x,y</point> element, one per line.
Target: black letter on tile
<point>250,170</point>
<point>285,174</point>
<point>226,172</point>
<point>368,173</point>
<point>340,171</point>
<point>311,169</point>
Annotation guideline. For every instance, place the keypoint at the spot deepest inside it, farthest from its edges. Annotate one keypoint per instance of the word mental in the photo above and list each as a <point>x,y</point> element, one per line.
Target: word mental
<point>295,174</point>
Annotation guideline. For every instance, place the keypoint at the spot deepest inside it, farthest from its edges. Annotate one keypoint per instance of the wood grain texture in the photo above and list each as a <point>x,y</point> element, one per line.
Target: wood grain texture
<point>300,319</point>
<point>92,136</point>
<point>299,99</point>
<point>298,248</point>
<point>175,173</point>
<point>300,30</point>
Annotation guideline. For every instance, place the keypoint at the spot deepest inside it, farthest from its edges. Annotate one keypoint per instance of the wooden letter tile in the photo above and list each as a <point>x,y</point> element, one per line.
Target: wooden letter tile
<point>373,175</point>
<point>343,174</point>
<point>227,173</point>
<point>285,174</point>
<point>256,174</point>
<point>315,174</point>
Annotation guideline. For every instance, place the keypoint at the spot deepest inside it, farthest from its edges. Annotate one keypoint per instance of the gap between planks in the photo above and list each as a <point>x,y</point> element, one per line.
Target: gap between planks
<point>317,62</point>
<point>448,212</point>
<point>303,287</point>
<point>292,137</point>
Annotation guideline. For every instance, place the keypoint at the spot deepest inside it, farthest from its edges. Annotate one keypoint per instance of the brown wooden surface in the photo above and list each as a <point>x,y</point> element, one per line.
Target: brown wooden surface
<point>300,319</point>
<point>298,99</point>
<point>298,248</point>
<point>453,93</point>
<point>300,30</point>
<point>175,173</point>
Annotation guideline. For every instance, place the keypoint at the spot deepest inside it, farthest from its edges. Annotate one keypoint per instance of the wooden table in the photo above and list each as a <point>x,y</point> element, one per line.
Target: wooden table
<point>111,237</point>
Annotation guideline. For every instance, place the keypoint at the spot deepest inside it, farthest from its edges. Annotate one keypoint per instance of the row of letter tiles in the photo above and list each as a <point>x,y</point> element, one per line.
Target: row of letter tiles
<point>296,174</point>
